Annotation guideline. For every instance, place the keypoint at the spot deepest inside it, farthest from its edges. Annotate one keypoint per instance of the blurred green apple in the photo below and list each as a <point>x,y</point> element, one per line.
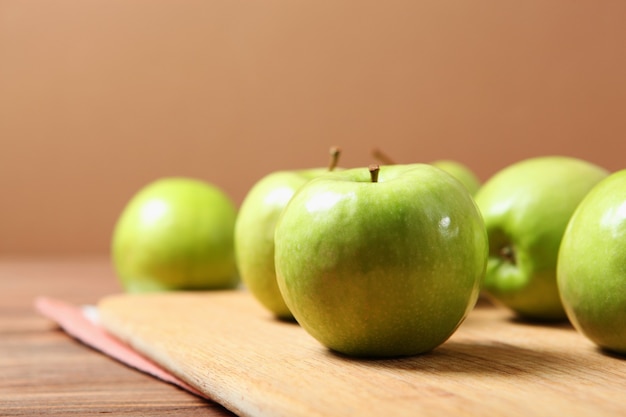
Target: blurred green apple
<point>254,231</point>
<point>591,272</point>
<point>526,208</point>
<point>381,266</point>
<point>176,234</point>
<point>461,172</point>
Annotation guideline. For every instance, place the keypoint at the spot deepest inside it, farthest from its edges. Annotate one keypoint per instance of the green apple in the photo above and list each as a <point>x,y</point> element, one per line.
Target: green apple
<point>254,231</point>
<point>458,170</point>
<point>381,266</point>
<point>591,272</point>
<point>526,207</point>
<point>461,172</point>
<point>176,234</point>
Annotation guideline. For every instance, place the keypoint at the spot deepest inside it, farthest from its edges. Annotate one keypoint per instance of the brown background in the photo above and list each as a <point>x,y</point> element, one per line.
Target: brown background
<point>99,97</point>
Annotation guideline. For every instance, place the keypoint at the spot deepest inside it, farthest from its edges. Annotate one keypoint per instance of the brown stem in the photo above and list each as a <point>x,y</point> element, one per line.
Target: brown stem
<point>508,254</point>
<point>335,152</point>
<point>382,157</point>
<point>374,169</point>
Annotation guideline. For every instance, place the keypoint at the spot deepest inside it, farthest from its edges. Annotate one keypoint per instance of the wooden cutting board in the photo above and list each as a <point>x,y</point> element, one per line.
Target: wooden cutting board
<point>231,349</point>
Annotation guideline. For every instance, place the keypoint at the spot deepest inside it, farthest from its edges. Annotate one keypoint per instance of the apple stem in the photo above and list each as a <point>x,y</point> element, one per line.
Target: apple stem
<point>335,152</point>
<point>374,169</point>
<point>382,157</point>
<point>508,254</point>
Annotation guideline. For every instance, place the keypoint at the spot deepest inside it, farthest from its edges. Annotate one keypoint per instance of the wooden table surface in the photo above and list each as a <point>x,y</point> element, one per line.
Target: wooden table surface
<point>44,371</point>
<point>519,366</point>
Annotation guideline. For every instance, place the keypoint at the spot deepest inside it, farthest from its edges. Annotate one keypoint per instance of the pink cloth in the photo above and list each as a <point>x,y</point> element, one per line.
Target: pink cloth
<point>81,323</point>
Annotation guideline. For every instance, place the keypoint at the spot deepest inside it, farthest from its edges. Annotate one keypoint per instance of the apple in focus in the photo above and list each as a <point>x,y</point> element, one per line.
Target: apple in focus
<point>526,207</point>
<point>176,234</point>
<point>383,263</point>
<point>254,231</point>
<point>591,272</point>
<point>455,168</point>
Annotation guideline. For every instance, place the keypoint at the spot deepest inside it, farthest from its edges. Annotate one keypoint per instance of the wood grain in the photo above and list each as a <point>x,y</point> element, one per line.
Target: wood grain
<point>228,347</point>
<point>45,372</point>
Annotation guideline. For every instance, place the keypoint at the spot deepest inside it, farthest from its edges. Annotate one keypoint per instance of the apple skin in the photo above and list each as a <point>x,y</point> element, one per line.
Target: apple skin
<point>591,272</point>
<point>176,233</point>
<point>526,208</point>
<point>254,234</point>
<point>461,172</point>
<point>381,269</point>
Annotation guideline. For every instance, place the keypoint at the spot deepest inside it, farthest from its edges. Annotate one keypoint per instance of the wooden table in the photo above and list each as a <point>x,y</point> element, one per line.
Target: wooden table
<point>493,366</point>
<point>43,371</point>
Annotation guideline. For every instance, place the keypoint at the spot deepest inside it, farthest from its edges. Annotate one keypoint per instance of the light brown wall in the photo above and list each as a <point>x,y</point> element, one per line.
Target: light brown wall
<point>99,97</point>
